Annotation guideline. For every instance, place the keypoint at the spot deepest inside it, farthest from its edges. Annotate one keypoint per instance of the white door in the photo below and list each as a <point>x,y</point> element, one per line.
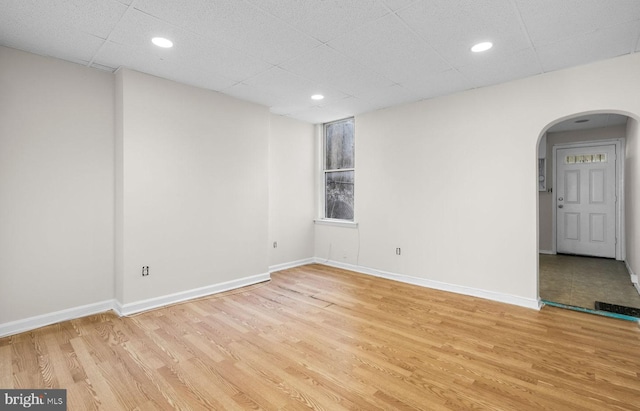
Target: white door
<point>586,201</point>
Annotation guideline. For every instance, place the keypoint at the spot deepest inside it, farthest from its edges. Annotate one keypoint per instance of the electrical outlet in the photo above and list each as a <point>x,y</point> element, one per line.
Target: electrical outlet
<point>275,244</point>
<point>145,270</point>
<point>398,251</point>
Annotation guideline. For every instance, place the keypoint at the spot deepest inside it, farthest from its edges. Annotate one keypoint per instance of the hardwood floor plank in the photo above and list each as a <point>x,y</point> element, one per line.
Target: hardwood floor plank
<point>317,337</point>
<point>218,396</point>
<point>95,378</point>
<point>269,381</point>
<point>6,366</point>
<point>81,396</point>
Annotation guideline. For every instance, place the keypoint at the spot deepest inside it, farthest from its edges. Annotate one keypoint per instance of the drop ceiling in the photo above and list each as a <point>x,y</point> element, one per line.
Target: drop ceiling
<point>362,55</point>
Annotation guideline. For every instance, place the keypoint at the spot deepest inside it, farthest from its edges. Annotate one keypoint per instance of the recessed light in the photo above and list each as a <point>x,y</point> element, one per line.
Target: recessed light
<point>584,120</point>
<point>162,42</point>
<point>484,46</point>
<point>317,97</point>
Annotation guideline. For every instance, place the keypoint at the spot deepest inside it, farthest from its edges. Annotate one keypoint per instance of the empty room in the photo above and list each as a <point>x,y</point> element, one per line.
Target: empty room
<point>296,204</point>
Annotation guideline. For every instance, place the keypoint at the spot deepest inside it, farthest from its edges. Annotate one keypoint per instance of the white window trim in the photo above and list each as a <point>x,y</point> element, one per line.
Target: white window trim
<point>320,181</point>
<point>336,223</point>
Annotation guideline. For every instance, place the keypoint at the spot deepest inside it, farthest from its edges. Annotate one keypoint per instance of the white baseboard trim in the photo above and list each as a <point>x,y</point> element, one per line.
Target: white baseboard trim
<point>546,252</point>
<point>634,277</point>
<point>292,264</point>
<point>15,327</point>
<point>535,304</point>
<point>31,323</point>
<point>156,302</point>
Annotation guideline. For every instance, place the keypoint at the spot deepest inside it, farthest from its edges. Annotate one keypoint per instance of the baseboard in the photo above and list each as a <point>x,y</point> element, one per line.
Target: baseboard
<point>31,323</point>
<point>292,264</point>
<point>634,277</point>
<point>546,252</point>
<point>535,304</point>
<point>156,302</point>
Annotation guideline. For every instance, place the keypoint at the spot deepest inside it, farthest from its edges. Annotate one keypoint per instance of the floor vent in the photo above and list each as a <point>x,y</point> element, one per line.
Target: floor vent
<point>592,311</point>
<point>618,309</point>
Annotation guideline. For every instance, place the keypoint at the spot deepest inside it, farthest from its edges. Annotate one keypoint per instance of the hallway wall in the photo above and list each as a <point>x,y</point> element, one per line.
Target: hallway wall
<point>546,205</point>
<point>632,196</point>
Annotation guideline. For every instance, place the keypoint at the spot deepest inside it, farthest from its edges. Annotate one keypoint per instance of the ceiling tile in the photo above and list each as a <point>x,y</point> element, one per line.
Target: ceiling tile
<point>293,89</point>
<point>453,27</point>
<point>318,115</point>
<point>523,63</point>
<point>383,97</point>
<point>361,54</point>
<point>550,21</point>
<point>56,18</point>
<point>254,94</point>
<point>71,30</point>
<point>156,63</point>
<point>236,24</point>
<point>131,46</point>
<point>75,47</point>
<point>327,66</point>
<point>602,44</point>
<point>391,49</point>
<point>293,92</point>
<point>396,5</point>
<point>434,85</point>
<point>353,106</point>
<point>324,20</point>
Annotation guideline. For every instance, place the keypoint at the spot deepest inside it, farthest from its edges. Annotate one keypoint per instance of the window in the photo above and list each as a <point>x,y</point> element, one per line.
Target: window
<point>339,169</point>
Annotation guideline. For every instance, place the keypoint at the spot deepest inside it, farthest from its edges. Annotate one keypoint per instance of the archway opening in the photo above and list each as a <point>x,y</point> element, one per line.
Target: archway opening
<point>572,156</point>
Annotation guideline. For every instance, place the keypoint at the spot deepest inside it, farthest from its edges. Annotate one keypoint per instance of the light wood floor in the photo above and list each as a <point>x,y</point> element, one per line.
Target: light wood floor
<point>321,338</point>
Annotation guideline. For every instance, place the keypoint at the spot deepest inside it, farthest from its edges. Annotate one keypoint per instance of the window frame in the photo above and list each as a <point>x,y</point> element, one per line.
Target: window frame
<point>323,176</point>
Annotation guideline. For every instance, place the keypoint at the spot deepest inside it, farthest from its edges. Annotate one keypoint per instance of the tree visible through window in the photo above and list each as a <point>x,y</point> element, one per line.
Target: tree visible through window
<point>339,169</point>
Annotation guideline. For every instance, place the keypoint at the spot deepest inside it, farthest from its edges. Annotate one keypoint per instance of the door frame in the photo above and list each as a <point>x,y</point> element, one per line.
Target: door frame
<point>620,155</point>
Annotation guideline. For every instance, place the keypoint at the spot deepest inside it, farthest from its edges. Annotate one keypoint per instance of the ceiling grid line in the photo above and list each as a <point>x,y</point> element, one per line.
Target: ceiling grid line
<point>523,26</point>
<point>361,55</point>
<point>92,61</point>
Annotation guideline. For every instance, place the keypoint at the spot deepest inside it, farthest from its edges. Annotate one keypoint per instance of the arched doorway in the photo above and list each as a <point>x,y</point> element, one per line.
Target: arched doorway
<point>571,272</point>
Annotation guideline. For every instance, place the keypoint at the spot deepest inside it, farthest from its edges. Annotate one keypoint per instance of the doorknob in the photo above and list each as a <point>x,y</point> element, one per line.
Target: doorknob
<point>560,206</point>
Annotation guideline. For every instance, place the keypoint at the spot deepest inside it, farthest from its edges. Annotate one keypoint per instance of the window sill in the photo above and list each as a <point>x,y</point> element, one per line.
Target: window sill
<point>336,223</point>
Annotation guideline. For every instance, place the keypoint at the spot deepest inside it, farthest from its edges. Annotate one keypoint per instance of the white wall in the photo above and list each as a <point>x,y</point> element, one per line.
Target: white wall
<point>102,174</point>
<point>546,205</point>
<point>291,190</point>
<point>453,180</point>
<point>193,194</point>
<point>56,185</point>
<point>632,196</point>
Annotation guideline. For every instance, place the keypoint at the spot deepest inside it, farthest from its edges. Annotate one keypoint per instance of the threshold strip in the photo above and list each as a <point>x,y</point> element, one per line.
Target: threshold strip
<point>590,311</point>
